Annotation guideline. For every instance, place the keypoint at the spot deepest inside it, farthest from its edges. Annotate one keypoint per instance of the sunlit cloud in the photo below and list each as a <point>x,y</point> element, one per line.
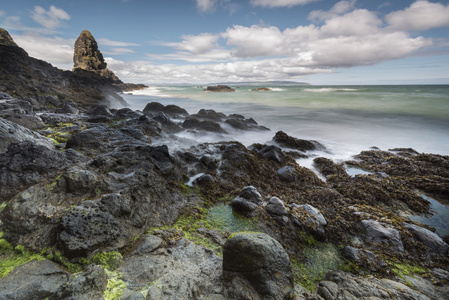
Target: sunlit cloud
<point>108,42</point>
<point>280,3</point>
<point>50,19</point>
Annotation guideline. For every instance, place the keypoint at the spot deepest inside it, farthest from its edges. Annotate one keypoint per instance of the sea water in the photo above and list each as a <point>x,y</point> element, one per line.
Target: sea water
<point>346,119</point>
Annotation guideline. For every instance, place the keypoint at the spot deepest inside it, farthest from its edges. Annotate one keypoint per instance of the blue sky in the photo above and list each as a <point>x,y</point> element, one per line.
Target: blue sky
<point>203,41</point>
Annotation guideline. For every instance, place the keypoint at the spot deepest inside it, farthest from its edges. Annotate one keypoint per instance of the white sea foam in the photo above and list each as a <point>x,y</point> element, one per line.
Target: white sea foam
<point>150,91</point>
<point>329,90</point>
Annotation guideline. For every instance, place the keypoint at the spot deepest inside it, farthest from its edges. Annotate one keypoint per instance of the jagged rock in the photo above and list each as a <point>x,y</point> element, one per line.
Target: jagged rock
<point>85,228</point>
<point>11,132</point>
<point>248,201</point>
<point>219,88</point>
<point>35,280</point>
<point>259,265</point>
<point>381,235</point>
<point>210,114</point>
<point>290,142</point>
<point>88,285</point>
<point>80,181</point>
<point>87,57</point>
<point>26,163</point>
<point>429,239</point>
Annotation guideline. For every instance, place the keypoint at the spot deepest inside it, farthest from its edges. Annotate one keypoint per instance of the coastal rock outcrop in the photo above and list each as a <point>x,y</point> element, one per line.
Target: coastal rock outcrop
<point>88,57</point>
<point>219,88</point>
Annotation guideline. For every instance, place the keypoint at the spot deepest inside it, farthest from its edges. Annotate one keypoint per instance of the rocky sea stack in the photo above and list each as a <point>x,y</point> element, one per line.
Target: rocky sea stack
<point>87,57</point>
<point>95,203</point>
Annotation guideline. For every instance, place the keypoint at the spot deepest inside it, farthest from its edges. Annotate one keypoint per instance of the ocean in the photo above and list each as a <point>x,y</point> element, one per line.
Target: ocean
<point>346,119</point>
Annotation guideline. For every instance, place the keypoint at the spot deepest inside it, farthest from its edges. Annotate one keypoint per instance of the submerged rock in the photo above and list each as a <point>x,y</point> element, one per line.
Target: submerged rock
<point>219,88</point>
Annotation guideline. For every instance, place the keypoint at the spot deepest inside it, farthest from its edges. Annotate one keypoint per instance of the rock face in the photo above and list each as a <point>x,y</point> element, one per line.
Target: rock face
<point>88,57</point>
<point>255,262</point>
<point>25,77</point>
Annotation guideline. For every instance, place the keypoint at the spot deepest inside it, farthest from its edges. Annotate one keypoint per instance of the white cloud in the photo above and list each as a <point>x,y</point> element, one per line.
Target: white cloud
<point>108,42</point>
<point>50,19</point>
<point>339,8</point>
<point>55,50</point>
<point>254,41</point>
<point>206,5</point>
<point>280,3</point>
<point>118,51</point>
<point>197,44</point>
<point>421,15</point>
<point>2,13</point>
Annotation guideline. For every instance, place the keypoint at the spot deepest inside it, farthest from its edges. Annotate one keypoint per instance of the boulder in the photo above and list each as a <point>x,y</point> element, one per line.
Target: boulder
<point>310,219</point>
<point>79,181</point>
<point>86,228</point>
<point>247,202</point>
<point>428,238</point>
<point>207,125</point>
<point>260,264</point>
<point>381,235</point>
<point>288,174</point>
<point>276,207</point>
<point>153,107</point>
<point>88,285</point>
<point>272,152</point>
<point>35,280</point>
<point>363,257</point>
<point>204,180</point>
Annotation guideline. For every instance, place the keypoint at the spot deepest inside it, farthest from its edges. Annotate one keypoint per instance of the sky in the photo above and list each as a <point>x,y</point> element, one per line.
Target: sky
<point>217,41</point>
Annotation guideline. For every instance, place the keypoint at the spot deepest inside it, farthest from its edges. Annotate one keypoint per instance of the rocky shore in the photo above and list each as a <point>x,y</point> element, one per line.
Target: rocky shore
<point>95,205</point>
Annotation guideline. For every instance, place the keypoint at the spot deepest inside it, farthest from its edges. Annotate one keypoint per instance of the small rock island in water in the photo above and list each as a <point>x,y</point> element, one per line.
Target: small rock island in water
<point>92,208</point>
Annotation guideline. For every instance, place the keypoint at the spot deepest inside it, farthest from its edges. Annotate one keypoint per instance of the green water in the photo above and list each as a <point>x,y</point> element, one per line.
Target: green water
<point>221,217</point>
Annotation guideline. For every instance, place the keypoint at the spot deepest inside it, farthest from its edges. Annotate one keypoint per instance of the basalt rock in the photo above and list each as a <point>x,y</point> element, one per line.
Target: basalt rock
<point>290,142</point>
<point>219,88</point>
<point>88,57</point>
<point>255,263</point>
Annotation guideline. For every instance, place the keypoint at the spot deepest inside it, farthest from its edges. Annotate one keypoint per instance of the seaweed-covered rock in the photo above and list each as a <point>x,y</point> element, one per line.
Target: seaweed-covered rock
<point>285,140</point>
<point>259,265</point>
<point>381,235</point>
<point>272,152</point>
<point>248,201</point>
<point>288,173</point>
<point>428,238</point>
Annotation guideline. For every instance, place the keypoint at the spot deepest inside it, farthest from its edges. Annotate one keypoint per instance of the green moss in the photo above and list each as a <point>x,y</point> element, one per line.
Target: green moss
<point>109,260</point>
<point>2,207</point>
<point>405,269</point>
<point>116,286</point>
<point>11,257</point>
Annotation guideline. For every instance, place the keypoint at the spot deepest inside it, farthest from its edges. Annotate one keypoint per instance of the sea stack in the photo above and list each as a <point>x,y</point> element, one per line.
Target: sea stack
<point>87,57</point>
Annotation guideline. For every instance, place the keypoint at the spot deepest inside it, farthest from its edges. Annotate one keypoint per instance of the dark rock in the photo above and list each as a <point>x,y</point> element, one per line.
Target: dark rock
<point>207,125</point>
<point>204,179</point>
<point>26,163</point>
<point>251,194</point>
<point>91,138</point>
<point>12,132</point>
<point>88,285</point>
<point>86,228</point>
<point>272,152</point>
<point>327,167</point>
<point>80,181</point>
<point>290,142</point>
<point>87,57</point>
<point>276,207</point>
<point>428,238</point>
<point>363,257</point>
<point>381,235</point>
<point>328,290</point>
<point>153,107</point>
<point>310,219</point>
<point>35,280</point>
<point>210,114</point>
<point>174,111</point>
<point>247,202</point>
<point>219,88</point>
<point>288,174</point>
<point>6,39</point>
<point>261,261</point>
<point>261,89</point>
